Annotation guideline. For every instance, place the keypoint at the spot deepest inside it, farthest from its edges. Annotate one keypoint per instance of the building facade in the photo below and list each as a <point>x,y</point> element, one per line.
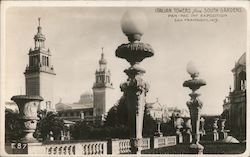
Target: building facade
<point>237,112</point>
<point>235,104</point>
<point>79,111</point>
<point>157,111</point>
<point>39,73</point>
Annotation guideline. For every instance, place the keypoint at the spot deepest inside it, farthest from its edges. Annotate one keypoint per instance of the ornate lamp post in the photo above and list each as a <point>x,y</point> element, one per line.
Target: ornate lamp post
<point>28,106</point>
<point>133,23</point>
<point>195,106</point>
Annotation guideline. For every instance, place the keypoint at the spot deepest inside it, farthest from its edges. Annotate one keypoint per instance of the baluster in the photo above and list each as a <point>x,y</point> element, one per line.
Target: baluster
<point>92,148</point>
<point>65,150</point>
<point>55,150</point>
<point>89,149</point>
<point>69,150</point>
<point>74,150</point>
<point>98,148</point>
<point>60,150</point>
<point>102,148</point>
<point>85,149</point>
<point>95,149</point>
<point>50,150</point>
<point>124,146</point>
<point>120,147</point>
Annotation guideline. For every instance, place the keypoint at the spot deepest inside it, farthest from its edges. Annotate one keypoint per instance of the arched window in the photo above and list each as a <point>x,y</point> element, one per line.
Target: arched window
<point>242,80</point>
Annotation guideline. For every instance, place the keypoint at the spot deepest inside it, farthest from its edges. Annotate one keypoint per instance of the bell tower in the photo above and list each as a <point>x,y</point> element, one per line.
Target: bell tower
<point>39,73</point>
<point>102,89</point>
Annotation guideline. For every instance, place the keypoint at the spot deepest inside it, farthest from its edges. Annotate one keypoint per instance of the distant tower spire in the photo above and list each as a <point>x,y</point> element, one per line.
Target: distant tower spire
<point>39,37</point>
<point>39,20</point>
<point>102,62</point>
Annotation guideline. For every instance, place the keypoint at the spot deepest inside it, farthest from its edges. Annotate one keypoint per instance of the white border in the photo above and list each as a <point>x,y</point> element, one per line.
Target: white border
<point>6,4</point>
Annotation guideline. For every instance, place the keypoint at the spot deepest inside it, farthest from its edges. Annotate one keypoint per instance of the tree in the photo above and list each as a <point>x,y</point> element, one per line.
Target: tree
<point>49,121</point>
<point>12,126</point>
<point>118,114</point>
<point>118,117</point>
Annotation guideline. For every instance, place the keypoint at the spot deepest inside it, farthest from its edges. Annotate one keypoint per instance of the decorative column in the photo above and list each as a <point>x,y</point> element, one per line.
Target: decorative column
<point>158,131</point>
<point>28,106</point>
<point>178,126</point>
<point>203,132</point>
<point>195,106</point>
<point>222,133</point>
<point>215,127</point>
<point>133,23</point>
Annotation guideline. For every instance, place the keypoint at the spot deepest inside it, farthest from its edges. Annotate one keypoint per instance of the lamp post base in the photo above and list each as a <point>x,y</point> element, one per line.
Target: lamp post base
<point>196,148</point>
<point>136,145</point>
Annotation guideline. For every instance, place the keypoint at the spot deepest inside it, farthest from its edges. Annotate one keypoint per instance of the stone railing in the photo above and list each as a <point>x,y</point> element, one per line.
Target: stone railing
<point>145,143</point>
<point>164,141</point>
<point>80,148</point>
<point>119,146</point>
<point>112,146</point>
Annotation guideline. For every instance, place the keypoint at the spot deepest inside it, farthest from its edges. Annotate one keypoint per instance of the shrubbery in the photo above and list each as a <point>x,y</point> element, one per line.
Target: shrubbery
<point>12,126</point>
<point>49,121</point>
<point>116,125</point>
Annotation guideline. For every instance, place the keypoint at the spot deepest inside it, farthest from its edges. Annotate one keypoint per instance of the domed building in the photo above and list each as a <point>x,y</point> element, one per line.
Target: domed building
<point>83,109</point>
<point>86,98</point>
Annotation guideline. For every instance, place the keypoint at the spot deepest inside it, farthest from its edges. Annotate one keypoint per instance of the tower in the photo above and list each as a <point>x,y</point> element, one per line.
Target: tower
<point>102,89</point>
<point>39,73</point>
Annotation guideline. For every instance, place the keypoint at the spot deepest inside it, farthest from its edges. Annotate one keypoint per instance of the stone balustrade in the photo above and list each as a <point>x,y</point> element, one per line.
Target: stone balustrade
<point>164,141</point>
<point>80,148</point>
<point>112,146</point>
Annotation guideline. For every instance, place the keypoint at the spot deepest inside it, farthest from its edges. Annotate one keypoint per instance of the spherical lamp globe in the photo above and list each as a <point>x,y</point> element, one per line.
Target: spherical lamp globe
<point>133,24</point>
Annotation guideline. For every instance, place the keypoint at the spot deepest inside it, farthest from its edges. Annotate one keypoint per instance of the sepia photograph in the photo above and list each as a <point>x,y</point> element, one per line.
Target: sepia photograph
<point>124,78</point>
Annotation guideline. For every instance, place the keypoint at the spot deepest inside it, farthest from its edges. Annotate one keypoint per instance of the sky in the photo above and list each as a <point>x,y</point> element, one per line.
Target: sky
<point>75,36</point>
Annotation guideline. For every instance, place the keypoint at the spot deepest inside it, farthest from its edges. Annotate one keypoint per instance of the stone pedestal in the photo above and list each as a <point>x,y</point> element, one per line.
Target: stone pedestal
<point>179,138</point>
<point>202,130</point>
<point>196,148</point>
<point>187,135</point>
<point>222,132</point>
<point>215,134</point>
<point>178,126</point>
<point>28,106</point>
<point>158,133</point>
<point>222,135</point>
